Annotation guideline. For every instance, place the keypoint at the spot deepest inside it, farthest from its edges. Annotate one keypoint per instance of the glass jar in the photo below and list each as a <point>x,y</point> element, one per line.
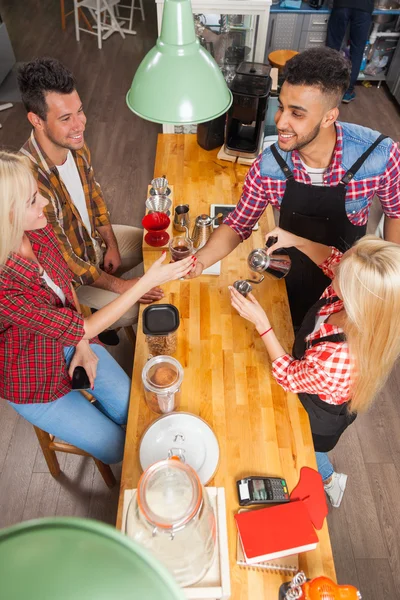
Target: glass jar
<point>162,378</point>
<point>162,344</point>
<point>172,517</point>
<point>160,324</point>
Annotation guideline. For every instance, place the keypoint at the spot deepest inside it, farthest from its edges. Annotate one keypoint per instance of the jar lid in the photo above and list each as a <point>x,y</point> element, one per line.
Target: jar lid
<point>162,374</point>
<point>160,319</point>
<point>169,494</point>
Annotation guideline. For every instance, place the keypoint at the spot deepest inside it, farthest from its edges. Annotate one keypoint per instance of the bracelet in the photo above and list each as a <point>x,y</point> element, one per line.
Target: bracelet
<point>265,332</point>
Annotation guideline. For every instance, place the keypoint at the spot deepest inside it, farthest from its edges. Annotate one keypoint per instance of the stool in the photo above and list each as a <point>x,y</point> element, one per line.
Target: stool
<point>279,58</point>
<point>50,447</point>
<point>64,16</point>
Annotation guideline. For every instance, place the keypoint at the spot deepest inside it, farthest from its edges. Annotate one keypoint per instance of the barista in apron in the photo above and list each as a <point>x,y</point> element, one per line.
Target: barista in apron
<point>317,213</point>
<point>327,421</point>
<point>347,343</point>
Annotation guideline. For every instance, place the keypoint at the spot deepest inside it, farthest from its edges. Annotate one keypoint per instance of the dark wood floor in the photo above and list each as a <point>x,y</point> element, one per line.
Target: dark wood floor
<point>365,531</point>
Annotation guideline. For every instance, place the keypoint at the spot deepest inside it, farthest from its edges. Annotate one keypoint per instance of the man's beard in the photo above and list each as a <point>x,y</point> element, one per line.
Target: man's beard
<point>305,140</point>
<point>58,142</point>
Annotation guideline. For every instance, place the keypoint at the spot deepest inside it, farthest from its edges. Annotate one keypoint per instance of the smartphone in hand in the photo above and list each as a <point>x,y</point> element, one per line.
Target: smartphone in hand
<point>80,380</point>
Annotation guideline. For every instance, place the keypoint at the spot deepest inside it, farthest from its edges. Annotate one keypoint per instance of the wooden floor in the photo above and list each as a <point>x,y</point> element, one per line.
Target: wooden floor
<point>365,531</point>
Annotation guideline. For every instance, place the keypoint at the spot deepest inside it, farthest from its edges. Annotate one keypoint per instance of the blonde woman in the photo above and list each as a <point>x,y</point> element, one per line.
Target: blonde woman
<point>346,345</point>
<point>43,337</point>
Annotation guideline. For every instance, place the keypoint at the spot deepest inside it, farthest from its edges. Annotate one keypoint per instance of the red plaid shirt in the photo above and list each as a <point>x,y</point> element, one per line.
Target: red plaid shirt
<point>259,191</point>
<point>325,367</point>
<point>35,326</point>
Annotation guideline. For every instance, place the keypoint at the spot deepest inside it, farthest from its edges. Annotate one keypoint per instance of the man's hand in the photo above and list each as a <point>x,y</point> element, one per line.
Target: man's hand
<point>152,295</point>
<point>197,270</point>
<point>112,260</point>
<point>86,358</point>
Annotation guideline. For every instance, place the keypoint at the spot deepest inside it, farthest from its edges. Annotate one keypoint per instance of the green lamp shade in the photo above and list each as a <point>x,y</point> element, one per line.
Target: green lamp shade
<point>78,559</point>
<point>178,81</point>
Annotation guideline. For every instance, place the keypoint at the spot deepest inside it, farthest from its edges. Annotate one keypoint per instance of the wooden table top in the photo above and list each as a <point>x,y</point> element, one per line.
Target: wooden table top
<point>261,429</point>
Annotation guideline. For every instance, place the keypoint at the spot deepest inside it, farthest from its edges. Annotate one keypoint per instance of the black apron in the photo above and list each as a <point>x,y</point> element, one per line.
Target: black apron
<point>327,421</point>
<point>317,213</point>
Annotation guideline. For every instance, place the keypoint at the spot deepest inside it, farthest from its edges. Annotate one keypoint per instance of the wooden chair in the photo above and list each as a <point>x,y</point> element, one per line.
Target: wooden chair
<point>49,448</point>
<point>64,16</point>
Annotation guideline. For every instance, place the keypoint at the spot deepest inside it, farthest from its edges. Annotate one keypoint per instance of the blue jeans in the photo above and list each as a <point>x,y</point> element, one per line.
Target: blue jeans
<point>360,23</point>
<point>325,467</point>
<point>95,427</point>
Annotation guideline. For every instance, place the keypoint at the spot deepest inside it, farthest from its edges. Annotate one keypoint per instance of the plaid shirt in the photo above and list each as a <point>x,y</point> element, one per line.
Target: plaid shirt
<point>75,242</point>
<point>325,367</point>
<point>259,191</point>
<point>34,324</point>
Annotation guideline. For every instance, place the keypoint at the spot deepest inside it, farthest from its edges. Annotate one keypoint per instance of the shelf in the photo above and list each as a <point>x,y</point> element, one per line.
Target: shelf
<point>363,77</point>
<point>305,9</point>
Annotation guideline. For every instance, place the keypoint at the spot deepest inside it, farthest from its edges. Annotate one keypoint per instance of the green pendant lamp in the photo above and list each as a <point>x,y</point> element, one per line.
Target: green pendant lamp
<point>178,82</point>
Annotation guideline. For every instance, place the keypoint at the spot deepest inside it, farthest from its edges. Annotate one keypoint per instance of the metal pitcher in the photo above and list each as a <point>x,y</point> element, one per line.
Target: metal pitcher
<point>181,217</point>
<point>277,264</point>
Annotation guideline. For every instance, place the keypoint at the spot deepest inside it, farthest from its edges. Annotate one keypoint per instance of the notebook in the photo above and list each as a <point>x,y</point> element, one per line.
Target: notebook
<point>289,564</point>
<point>278,565</point>
<point>275,532</point>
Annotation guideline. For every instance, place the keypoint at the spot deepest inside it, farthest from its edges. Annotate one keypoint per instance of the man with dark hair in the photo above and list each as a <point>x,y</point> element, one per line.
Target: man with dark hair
<point>321,176</point>
<point>358,15</point>
<point>96,251</point>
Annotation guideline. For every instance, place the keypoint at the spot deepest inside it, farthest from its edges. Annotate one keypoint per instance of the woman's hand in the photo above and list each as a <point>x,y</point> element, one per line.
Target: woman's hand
<point>86,358</point>
<point>250,309</point>
<point>160,273</point>
<point>285,239</point>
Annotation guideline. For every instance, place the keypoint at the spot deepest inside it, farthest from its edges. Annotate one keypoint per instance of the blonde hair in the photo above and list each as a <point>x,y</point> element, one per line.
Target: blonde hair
<point>369,283</point>
<point>16,187</point>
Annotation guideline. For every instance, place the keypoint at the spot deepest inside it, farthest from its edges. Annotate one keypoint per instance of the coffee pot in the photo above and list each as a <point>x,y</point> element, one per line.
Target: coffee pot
<point>277,264</point>
<point>202,230</point>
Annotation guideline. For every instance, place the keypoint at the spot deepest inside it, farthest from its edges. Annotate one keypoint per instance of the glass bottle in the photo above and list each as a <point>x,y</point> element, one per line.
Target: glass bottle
<point>172,517</point>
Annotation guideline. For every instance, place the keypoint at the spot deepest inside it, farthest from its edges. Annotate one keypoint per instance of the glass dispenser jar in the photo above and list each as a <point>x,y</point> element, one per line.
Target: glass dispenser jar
<point>162,379</point>
<point>171,516</point>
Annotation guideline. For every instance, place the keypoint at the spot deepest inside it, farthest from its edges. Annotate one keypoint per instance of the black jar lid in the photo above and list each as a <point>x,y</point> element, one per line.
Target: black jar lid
<point>160,319</point>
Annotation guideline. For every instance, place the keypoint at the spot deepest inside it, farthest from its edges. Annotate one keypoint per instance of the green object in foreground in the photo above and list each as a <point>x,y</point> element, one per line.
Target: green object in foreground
<point>178,81</point>
<point>78,559</point>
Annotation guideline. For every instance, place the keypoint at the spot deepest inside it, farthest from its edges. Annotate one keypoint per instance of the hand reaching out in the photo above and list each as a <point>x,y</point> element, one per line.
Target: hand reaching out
<point>160,273</point>
<point>249,309</point>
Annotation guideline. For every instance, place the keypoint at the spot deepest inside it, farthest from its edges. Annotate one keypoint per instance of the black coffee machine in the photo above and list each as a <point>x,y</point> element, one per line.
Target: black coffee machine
<point>244,128</point>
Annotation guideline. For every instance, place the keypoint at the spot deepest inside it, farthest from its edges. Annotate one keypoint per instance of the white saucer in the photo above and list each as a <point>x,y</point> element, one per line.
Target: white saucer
<point>185,435</point>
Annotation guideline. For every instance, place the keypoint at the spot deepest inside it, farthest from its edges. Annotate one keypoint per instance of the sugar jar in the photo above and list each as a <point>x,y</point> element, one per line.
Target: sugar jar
<point>162,378</point>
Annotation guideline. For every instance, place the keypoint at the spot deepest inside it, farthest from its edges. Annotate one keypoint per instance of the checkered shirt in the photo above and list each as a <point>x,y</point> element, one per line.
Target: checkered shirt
<point>34,324</point>
<point>75,241</point>
<point>325,367</point>
<point>259,191</point>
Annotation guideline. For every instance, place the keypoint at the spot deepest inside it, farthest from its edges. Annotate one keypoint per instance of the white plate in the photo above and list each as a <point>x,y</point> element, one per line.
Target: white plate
<point>184,435</point>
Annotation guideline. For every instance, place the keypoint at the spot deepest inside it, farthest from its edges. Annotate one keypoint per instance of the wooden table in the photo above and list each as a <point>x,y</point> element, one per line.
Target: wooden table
<point>261,429</point>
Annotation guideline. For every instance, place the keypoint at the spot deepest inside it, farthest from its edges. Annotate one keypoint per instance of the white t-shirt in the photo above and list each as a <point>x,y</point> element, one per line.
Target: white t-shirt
<point>70,175</point>
<point>317,175</point>
<point>54,287</point>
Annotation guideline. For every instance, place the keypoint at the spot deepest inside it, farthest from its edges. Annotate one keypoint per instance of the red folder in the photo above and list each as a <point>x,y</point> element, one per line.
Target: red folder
<point>275,531</point>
